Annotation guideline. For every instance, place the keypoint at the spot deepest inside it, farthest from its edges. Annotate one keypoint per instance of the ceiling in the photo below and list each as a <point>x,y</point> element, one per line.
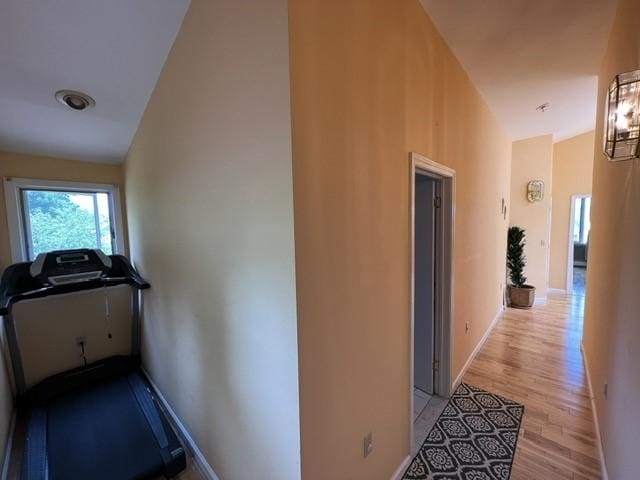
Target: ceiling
<point>112,50</point>
<point>524,53</point>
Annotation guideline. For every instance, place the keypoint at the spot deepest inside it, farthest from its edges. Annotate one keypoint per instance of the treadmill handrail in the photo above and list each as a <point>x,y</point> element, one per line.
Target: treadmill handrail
<point>14,290</point>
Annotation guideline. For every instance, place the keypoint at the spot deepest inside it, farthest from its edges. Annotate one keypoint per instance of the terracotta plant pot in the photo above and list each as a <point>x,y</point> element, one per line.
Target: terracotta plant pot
<point>521,297</point>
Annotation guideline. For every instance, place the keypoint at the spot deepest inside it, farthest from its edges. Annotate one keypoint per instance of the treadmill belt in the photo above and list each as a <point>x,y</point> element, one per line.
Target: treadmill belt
<point>101,433</point>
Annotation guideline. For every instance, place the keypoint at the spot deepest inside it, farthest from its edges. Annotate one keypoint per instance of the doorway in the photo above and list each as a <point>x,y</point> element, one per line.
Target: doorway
<point>427,192</point>
<point>432,210</point>
<point>578,252</point>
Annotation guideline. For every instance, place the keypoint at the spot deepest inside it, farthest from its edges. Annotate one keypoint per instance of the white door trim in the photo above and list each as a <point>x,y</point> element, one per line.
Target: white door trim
<point>16,221</point>
<point>443,331</point>
<point>569,285</point>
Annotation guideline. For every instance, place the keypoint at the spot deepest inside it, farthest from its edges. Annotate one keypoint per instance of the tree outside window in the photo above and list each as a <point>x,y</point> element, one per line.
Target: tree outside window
<point>60,220</point>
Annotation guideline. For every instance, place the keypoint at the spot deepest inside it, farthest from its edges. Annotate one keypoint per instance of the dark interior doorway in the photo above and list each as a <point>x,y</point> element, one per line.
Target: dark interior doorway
<point>426,196</point>
<point>580,242</point>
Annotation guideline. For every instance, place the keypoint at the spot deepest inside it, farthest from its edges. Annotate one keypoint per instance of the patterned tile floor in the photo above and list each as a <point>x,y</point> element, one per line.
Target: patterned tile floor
<point>420,401</point>
<point>425,420</point>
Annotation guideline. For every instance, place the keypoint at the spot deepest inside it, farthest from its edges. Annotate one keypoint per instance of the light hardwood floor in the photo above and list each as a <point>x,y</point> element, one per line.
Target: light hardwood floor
<point>534,357</point>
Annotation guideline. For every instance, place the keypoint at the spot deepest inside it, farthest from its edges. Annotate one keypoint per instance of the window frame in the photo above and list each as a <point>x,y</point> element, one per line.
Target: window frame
<point>13,188</point>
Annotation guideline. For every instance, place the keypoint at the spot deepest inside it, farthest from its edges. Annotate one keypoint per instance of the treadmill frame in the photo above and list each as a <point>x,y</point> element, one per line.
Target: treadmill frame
<point>16,357</point>
<point>121,272</point>
<point>170,444</point>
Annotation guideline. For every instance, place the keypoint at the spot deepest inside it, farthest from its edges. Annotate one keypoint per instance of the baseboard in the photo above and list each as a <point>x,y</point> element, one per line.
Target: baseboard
<point>479,346</point>
<point>6,463</point>
<point>397,475</point>
<point>184,434</point>
<point>603,465</point>
<point>562,291</point>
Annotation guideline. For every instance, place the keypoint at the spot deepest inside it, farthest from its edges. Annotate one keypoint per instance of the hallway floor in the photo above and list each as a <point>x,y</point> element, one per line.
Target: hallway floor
<point>533,357</point>
<point>425,415</point>
<point>579,281</point>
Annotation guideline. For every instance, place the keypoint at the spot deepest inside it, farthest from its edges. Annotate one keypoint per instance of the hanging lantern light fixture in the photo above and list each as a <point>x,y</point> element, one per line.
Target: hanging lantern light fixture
<point>622,121</point>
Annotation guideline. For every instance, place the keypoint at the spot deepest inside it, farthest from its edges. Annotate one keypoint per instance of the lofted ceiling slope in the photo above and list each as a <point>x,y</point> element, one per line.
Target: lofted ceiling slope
<point>112,50</point>
<point>522,53</point>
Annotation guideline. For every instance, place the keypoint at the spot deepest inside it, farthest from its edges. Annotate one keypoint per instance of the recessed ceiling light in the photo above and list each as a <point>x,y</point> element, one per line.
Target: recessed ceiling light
<point>75,100</point>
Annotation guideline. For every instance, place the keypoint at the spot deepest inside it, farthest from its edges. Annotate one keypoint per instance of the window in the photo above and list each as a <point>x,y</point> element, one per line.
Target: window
<point>45,216</point>
<point>582,220</point>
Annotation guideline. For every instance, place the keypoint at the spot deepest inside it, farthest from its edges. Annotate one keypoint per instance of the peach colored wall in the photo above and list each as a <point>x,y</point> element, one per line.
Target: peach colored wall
<point>48,168</point>
<point>372,81</point>
<point>612,320</point>
<point>210,203</point>
<point>572,174</point>
<point>533,160</point>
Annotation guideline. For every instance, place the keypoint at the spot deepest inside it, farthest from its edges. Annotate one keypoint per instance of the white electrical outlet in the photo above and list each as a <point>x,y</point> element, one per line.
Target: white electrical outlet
<point>368,444</point>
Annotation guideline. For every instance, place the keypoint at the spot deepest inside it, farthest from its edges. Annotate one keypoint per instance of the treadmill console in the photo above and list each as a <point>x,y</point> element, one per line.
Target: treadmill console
<point>64,267</point>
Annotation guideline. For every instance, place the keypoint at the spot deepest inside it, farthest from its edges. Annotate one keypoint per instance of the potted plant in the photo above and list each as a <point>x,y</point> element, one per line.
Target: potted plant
<point>519,293</point>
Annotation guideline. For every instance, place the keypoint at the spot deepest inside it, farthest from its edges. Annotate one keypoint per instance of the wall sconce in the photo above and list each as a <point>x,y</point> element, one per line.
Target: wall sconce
<point>535,190</point>
<point>622,121</point>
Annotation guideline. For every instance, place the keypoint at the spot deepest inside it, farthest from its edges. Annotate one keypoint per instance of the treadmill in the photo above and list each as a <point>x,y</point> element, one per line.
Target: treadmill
<point>99,421</point>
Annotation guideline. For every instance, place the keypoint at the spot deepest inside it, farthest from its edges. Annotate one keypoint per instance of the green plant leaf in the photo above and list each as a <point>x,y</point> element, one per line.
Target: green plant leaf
<point>516,260</point>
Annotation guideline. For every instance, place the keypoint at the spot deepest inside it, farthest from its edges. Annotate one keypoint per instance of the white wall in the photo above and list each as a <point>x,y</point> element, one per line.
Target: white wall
<point>48,329</point>
<point>209,198</point>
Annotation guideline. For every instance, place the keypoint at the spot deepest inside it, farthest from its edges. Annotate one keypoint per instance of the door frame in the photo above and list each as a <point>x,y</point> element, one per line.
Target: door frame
<point>572,214</point>
<point>443,318</point>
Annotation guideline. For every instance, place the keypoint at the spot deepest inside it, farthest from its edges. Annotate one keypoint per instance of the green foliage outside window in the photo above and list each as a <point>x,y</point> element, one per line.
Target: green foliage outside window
<point>59,223</point>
